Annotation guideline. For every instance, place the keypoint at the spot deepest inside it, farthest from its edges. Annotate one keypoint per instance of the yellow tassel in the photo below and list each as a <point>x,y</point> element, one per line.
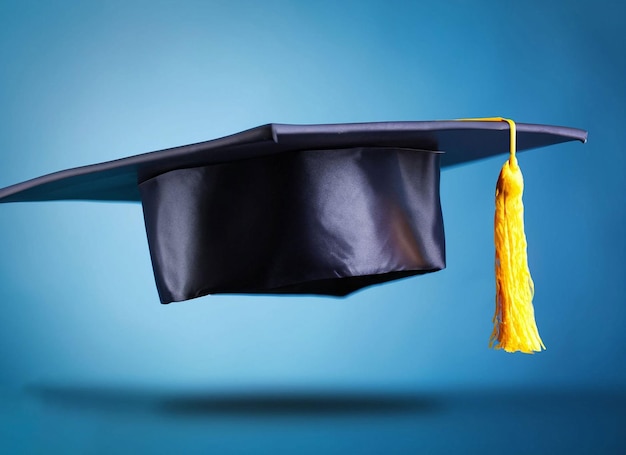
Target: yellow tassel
<point>515,328</point>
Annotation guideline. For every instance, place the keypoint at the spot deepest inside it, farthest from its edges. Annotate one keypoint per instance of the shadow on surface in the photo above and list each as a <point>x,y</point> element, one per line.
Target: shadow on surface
<point>310,403</point>
<point>222,403</point>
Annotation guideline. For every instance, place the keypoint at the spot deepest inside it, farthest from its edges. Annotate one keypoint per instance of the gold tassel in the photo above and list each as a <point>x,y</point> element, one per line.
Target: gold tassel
<point>515,328</point>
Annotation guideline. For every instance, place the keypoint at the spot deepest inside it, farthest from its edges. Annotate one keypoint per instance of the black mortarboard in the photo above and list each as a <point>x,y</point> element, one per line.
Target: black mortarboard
<point>292,209</point>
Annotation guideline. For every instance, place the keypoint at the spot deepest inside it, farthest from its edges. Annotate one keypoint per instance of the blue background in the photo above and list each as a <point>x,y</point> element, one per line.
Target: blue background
<point>88,356</point>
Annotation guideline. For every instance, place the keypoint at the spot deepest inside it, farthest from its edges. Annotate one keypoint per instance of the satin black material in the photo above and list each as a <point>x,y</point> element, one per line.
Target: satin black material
<point>309,222</point>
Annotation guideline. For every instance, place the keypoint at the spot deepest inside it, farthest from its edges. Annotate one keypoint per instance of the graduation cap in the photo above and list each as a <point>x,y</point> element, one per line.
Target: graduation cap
<point>315,209</point>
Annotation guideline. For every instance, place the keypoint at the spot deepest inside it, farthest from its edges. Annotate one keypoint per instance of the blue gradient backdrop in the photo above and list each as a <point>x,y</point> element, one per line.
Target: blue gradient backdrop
<point>84,82</point>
